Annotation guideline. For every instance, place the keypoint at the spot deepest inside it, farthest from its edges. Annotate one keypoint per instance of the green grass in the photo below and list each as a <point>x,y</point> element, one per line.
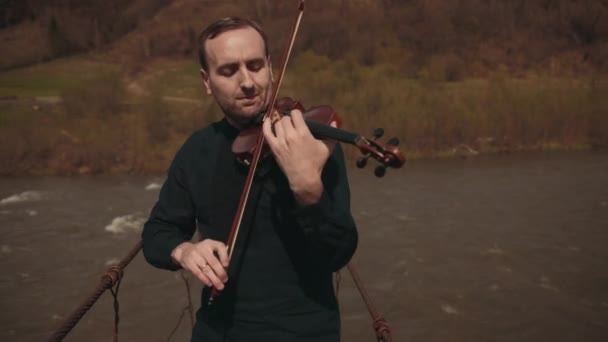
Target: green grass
<point>52,78</point>
<point>182,80</point>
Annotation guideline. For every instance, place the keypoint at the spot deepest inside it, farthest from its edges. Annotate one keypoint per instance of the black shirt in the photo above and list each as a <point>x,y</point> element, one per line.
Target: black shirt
<point>280,285</point>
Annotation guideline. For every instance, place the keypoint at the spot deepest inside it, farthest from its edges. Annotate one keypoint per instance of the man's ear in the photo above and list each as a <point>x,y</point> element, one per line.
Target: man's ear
<point>205,78</point>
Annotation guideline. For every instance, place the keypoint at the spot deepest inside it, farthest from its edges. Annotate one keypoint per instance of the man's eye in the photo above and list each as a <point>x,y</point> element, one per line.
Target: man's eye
<point>256,66</point>
<point>227,71</point>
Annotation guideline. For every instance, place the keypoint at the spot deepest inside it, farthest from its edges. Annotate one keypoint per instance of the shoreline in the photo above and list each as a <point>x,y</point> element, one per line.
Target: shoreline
<point>459,152</point>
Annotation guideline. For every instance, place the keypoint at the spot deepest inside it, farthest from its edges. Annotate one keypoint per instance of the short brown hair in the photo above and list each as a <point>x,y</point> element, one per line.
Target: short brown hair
<point>223,25</point>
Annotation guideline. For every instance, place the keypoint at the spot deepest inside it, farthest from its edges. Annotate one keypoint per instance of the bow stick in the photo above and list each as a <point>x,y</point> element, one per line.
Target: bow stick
<point>238,217</point>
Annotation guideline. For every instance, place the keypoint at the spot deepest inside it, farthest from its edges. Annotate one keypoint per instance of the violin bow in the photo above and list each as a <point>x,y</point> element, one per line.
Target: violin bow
<point>240,211</point>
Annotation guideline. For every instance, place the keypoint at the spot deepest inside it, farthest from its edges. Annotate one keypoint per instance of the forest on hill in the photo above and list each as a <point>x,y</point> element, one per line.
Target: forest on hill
<point>468,37</point>
<point>121,90</point>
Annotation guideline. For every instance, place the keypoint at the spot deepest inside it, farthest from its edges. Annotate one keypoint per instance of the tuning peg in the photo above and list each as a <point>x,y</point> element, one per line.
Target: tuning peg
<point>378,132</point>
<point>380,171</point>
<point>393,141</point>
<point>362,161</point>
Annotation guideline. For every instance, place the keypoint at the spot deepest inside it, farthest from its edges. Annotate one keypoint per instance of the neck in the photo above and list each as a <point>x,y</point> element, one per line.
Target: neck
<point>234,123</point>
<point>254,121</point>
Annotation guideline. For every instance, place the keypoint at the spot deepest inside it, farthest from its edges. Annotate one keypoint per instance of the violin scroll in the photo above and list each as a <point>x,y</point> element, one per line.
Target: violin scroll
<point>362,161</point>
<point>387,155</point>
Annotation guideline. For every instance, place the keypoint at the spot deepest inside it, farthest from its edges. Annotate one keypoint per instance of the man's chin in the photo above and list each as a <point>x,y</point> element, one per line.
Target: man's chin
<point>245,117</point>
<point>251,111</point>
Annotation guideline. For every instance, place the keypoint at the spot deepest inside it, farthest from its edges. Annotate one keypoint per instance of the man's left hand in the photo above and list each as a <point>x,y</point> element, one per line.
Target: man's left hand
<point>299,155</point>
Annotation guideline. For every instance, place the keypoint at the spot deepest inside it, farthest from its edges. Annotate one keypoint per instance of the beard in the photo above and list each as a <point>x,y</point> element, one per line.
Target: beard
<point>244,115</point>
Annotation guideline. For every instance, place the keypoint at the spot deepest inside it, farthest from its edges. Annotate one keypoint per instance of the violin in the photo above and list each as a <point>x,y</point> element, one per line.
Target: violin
<point>318,120</point>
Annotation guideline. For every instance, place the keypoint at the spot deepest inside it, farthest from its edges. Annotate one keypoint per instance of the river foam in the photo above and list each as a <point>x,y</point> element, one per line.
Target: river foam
<point>26,196</point>
<point>153,186</point>
<point>126,223</point>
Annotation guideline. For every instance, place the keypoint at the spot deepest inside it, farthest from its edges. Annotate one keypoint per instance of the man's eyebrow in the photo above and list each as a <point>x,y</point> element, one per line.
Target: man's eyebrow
<point>233,64</point>
<point>256,60</point>
<point>228,66</point>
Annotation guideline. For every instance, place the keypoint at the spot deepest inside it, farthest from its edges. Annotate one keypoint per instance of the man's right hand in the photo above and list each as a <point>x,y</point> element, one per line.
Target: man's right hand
<point>201,259</point>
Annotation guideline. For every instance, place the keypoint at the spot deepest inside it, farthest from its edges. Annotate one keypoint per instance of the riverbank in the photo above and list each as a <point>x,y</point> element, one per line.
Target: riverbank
<point>99,119</point>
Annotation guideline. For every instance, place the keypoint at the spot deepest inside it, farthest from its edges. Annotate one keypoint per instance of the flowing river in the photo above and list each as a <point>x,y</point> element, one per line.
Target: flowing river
<point>494,248</point>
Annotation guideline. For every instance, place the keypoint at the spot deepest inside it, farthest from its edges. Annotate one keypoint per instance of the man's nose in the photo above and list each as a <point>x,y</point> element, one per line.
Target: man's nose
<point>246,79</point>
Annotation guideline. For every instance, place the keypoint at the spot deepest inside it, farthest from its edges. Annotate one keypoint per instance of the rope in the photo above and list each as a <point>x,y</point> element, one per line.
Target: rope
<point>110,279</point>
<point>187,308</point>
<point>116,270</point>
<point>188,293</point>
<point>380,325</point>
<point>338,280</point>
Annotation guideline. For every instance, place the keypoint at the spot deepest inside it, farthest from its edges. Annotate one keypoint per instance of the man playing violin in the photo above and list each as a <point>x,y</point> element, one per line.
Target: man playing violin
<point>297,228</point>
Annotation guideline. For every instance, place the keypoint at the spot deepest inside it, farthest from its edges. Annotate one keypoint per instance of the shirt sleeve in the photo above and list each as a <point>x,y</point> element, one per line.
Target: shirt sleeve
<point>328,225</point>
<point>172,219</point>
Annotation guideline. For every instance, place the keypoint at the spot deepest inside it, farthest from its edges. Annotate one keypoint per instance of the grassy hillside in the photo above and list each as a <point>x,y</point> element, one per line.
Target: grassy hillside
<point>108,122</point>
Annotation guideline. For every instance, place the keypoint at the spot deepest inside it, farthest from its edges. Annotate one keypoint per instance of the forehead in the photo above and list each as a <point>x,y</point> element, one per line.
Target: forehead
<point>235,45</point>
